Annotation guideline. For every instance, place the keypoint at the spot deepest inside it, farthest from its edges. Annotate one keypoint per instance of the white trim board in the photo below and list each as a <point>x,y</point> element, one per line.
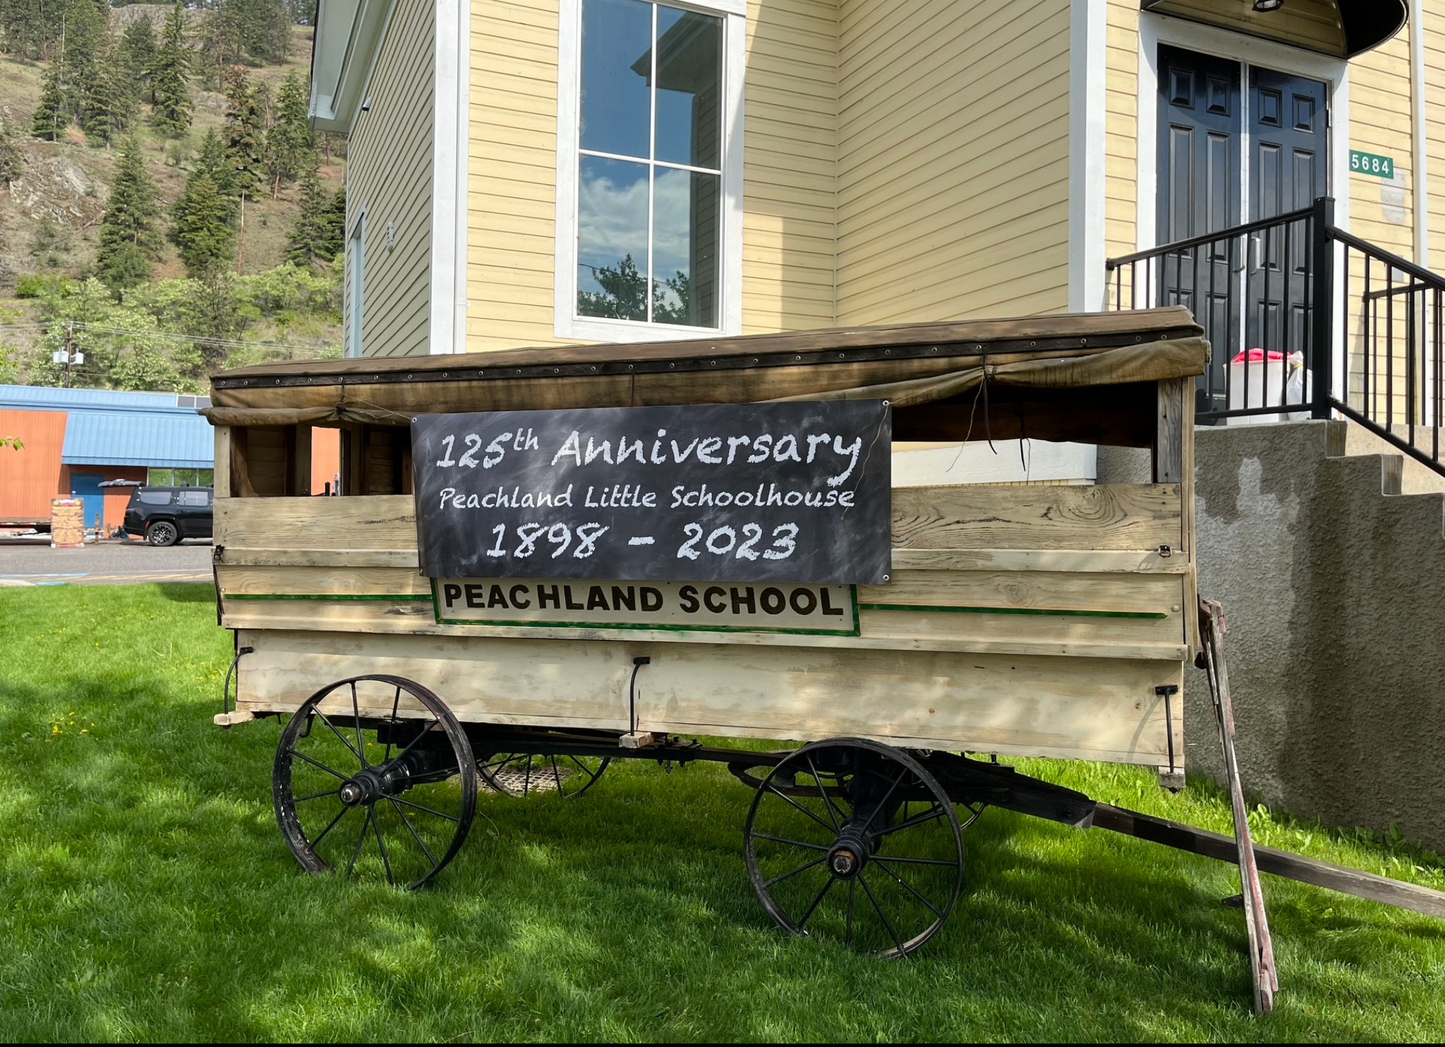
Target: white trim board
<point>451,94</point>
<point>1156,29</point>
<point>1088,76</point>
<point>566,323</point>
<point>1003,461</point>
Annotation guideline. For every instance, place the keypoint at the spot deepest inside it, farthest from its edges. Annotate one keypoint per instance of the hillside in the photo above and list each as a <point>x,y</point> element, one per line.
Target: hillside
<point>50,215</point>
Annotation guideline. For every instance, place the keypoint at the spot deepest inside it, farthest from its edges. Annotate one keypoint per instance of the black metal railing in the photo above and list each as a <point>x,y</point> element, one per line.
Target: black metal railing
<point>1305,321</point>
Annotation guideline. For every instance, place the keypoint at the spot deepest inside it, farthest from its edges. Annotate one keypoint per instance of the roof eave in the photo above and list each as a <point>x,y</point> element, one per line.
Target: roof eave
<point>343,53</point>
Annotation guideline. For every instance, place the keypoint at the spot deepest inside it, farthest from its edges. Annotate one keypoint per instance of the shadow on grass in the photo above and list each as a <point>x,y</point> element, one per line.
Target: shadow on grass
<point>150,895</point>
<point>187,592</point>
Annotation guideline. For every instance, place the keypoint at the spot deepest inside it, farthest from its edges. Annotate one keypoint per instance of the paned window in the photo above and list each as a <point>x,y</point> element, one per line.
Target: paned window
<point>645,168</point>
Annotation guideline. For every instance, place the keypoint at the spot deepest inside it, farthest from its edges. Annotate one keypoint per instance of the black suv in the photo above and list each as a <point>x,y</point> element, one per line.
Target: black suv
<point>165,515</point>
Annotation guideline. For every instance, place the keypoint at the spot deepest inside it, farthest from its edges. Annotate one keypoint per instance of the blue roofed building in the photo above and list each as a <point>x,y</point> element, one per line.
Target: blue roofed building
<point>75,440</point>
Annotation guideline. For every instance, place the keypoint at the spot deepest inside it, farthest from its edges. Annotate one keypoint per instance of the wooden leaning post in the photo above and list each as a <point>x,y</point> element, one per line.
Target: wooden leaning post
<point>471,614</point>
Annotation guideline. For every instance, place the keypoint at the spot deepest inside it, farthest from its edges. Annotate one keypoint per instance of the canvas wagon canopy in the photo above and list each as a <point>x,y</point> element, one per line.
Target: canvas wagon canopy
<point>1086,377</point>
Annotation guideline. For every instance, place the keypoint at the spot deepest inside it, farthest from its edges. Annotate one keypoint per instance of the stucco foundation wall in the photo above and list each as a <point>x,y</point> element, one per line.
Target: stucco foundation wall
<point>1334,598</point>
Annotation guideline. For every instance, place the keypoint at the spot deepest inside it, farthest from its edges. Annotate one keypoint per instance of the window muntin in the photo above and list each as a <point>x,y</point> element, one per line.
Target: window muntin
<point>649,164</point>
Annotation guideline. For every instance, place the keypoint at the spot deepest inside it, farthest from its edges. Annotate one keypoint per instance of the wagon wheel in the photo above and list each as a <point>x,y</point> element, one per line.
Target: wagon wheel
<point>527,774</point>
<point>832,853</point>
<point>398,806</point>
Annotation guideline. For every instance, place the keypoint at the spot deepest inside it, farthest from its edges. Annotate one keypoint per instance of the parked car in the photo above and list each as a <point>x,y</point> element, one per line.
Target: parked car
<point>165,515</point>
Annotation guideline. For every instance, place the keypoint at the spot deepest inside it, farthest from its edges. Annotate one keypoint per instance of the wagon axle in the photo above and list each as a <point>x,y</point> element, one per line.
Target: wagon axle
<point>392,778</point>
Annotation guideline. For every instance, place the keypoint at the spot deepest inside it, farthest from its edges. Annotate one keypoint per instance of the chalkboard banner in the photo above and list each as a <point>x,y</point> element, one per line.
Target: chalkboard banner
<point>785,492</point>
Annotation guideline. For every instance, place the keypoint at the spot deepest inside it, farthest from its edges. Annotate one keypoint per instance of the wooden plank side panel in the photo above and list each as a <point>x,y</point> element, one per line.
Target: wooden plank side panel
<point>1083,517</point>
<point>373,522</point>
<point>1102,710</point>
<point>1131,614</point>
<point>233,579</point>
<point>1062,608</point>
<point>1100,516</point>
<point>414,618</point>
<point>933,629</point>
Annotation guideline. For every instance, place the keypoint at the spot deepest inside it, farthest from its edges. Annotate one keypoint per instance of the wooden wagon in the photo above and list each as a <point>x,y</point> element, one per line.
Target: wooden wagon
<point>1018,619</point>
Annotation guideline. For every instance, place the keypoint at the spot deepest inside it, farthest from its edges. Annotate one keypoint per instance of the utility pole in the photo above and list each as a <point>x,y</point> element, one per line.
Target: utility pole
<point>68,356</point>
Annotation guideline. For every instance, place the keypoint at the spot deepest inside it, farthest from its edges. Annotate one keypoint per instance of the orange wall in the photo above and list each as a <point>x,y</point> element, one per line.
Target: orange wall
<point>30,477</point>
<point>325,458</point>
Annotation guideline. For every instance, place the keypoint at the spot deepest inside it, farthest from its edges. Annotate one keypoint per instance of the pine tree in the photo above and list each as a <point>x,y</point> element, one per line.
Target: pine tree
<point>110,98</point>
<point>138,54</point>
<point>334,238</point>
<point>170,69</point>
<point>34,28</point>
<point>52,116</point>
<point>84,38</point>
<point>305,244</point>
<point>23,28</point>
<point>245,135</point>
<point>265,29</point>
<point>202,229</point>
<point>213,161</point>
<point>291,150</point>
<point>129,240</point>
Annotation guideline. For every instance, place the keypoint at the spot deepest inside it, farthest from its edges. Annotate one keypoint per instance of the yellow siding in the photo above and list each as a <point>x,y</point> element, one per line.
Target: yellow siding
<point>512,174</point>
<point>391,178</point>
<point>789,150</point>
<point>1380,123</point>
<point>953,159</point>
<point>1434,40</point>
<point>1121,129</point>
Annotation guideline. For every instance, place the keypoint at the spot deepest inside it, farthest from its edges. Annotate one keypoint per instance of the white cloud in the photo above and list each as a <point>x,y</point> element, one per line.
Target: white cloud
<point>612,218</point>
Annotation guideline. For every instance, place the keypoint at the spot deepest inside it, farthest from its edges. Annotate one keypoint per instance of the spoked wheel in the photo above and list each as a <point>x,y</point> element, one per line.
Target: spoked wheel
<point>528,774</point>
<point>398,806</point>
<point>831,852</point>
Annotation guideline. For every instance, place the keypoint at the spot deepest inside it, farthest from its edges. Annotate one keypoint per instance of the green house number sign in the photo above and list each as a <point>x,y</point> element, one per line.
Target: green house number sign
<point>1371,164</point>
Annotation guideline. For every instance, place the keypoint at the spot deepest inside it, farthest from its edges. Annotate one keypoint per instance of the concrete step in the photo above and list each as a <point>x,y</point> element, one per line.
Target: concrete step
<point>1350,438</point>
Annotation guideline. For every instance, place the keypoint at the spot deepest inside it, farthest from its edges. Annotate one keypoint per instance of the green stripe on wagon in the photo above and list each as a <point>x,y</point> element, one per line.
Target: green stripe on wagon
<point>1010,610</point>
<point>327,596</point>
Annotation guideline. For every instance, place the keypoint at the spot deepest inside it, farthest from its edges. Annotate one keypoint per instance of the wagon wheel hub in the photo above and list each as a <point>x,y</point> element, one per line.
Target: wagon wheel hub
<point>849,853</point>
<point>366,787</point>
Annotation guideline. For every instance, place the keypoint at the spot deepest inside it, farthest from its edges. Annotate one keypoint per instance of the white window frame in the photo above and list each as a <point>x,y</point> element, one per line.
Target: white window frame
<point>567,323</point>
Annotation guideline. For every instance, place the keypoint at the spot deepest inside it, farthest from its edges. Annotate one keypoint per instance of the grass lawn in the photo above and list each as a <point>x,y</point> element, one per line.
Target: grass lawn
<point>147,895</point>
